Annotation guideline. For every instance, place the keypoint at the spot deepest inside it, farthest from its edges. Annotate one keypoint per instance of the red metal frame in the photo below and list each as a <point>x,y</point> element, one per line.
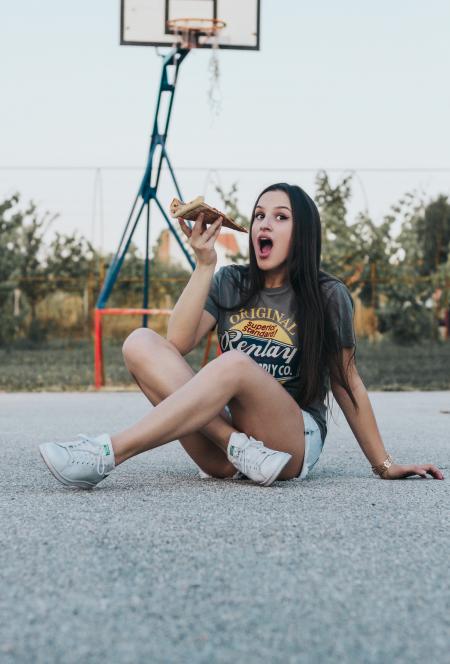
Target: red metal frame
<point>99,369</point>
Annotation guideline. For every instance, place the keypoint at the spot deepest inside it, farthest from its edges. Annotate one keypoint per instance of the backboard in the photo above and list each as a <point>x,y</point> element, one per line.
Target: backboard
<point>143,22</point>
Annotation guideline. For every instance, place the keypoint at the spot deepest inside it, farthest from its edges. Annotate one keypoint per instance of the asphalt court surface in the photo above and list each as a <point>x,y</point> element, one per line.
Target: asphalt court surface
<point>158,565</point>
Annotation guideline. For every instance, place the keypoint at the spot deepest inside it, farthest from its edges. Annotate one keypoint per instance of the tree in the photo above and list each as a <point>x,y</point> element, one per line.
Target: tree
<point>33,275</point>
<point>422,268</point>
<point>22,265</point>
<point>71,257</point>
<point>10,224</point>
<point>406,314</point>
<point>36,268</point>
<point>433,234</point>
<point>339,243</point>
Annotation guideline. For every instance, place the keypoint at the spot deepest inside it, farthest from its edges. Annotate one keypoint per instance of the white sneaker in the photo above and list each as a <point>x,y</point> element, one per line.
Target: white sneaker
<point>82,463</point>
<point>253,459</point>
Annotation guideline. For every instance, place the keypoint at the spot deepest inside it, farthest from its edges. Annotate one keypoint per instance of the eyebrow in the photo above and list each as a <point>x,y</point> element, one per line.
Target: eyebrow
<point>277,207</point>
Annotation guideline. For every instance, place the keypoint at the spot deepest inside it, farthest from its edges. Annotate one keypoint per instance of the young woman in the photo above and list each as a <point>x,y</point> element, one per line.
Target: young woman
<point>257,410</point>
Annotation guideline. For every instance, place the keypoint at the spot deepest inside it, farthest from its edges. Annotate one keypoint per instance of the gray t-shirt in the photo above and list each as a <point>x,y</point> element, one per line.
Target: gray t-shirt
<point>267,329</point>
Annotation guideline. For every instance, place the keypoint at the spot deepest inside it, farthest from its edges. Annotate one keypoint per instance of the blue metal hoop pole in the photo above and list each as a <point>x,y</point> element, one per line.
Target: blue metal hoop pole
<point>148,189</point>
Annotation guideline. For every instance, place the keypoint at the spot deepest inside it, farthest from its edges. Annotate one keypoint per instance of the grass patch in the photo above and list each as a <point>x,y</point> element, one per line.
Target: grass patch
<point>388,366</point>
<point>68,365</point>
<point>60,365</point>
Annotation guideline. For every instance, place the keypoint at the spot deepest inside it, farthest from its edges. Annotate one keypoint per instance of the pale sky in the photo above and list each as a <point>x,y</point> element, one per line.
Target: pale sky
<point>336,85</point>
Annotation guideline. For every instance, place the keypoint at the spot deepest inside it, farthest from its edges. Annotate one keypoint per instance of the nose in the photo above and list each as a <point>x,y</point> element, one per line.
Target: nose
<point>265,224</point>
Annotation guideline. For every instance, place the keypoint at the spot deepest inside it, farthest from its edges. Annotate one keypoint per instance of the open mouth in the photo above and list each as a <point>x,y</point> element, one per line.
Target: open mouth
<point>265,246</point>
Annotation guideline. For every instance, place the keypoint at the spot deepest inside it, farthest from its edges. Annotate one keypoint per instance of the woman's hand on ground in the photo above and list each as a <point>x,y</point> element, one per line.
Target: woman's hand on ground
<point>397,472</point>
<point>202,238</point>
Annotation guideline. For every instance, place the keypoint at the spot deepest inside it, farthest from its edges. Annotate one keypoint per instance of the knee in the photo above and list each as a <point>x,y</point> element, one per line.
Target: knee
<point>235,358</point>
<point>235,362</point>
<point>140,341</point>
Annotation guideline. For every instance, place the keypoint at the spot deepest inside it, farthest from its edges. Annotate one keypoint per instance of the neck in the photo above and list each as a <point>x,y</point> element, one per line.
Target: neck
<point>274,284</point>
<point>275,278</point>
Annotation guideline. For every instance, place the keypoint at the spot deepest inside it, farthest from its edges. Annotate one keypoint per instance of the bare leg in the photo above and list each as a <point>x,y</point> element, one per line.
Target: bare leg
<point>159,370</point>
<point>231,376</point>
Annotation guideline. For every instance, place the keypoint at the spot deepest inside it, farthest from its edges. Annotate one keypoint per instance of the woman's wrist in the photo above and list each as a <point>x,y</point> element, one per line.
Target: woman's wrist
<point>381,469</point>
<point>206,267</point>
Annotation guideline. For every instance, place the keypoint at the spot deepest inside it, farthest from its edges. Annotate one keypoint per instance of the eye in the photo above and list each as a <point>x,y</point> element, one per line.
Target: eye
<point>281,216</point>
<point>259,215</point>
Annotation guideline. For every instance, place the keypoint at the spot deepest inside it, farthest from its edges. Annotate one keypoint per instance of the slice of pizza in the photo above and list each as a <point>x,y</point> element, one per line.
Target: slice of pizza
<point>192,209</point>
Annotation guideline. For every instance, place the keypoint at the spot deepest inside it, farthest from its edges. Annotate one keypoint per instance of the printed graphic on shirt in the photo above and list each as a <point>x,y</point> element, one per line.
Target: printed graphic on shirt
<point>268,336</point>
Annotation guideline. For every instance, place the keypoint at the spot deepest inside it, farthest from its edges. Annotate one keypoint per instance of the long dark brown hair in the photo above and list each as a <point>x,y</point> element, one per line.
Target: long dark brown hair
<point>320,349</point>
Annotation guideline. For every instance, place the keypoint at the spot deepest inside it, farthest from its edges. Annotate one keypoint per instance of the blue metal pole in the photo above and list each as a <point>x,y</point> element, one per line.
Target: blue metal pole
<point>166,157</point>
<point>173,59</point>
<point>114,260</point>
<point>115,269</point>
<point>148,190</point>
<point>146,267</point>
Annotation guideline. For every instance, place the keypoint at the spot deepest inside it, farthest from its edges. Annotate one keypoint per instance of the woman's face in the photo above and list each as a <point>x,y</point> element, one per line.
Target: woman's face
<point>273,220</point>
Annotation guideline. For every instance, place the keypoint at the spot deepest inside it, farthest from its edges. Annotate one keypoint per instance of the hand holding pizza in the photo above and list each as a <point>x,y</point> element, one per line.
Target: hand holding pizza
<point>202,238</point>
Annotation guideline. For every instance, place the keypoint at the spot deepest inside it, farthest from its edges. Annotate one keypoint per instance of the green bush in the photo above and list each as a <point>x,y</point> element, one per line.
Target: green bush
<point>406,322</point>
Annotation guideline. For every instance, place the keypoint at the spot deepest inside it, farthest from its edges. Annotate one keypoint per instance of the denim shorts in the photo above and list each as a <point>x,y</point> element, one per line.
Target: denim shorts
<point>313,447</point>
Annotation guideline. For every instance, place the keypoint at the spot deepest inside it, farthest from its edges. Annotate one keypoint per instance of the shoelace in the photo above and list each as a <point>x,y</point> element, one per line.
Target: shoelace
<point>256,465</point>
<point>250,464</point>
<point>98,456</point>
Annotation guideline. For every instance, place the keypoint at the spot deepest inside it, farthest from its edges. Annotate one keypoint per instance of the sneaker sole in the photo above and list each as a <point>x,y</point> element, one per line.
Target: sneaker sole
<point>278,470</point>
<point>60,478</point>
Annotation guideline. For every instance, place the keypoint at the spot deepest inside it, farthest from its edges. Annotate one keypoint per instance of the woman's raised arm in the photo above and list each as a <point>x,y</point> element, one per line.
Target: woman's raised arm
<point>185,319</point>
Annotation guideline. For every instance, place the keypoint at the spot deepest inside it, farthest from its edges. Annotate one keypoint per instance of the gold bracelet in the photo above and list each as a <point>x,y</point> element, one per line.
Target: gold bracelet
<point>382,468</point>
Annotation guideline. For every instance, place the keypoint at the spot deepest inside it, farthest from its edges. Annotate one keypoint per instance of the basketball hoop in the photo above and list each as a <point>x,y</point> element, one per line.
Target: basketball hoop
<point>188,32</point>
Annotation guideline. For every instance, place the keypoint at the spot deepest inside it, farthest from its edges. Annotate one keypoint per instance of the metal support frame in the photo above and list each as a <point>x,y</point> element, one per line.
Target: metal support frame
<point>148,190</point>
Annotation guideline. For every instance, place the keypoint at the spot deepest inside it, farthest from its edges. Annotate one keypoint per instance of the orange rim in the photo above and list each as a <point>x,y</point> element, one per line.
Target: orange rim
<point>204,26</point>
